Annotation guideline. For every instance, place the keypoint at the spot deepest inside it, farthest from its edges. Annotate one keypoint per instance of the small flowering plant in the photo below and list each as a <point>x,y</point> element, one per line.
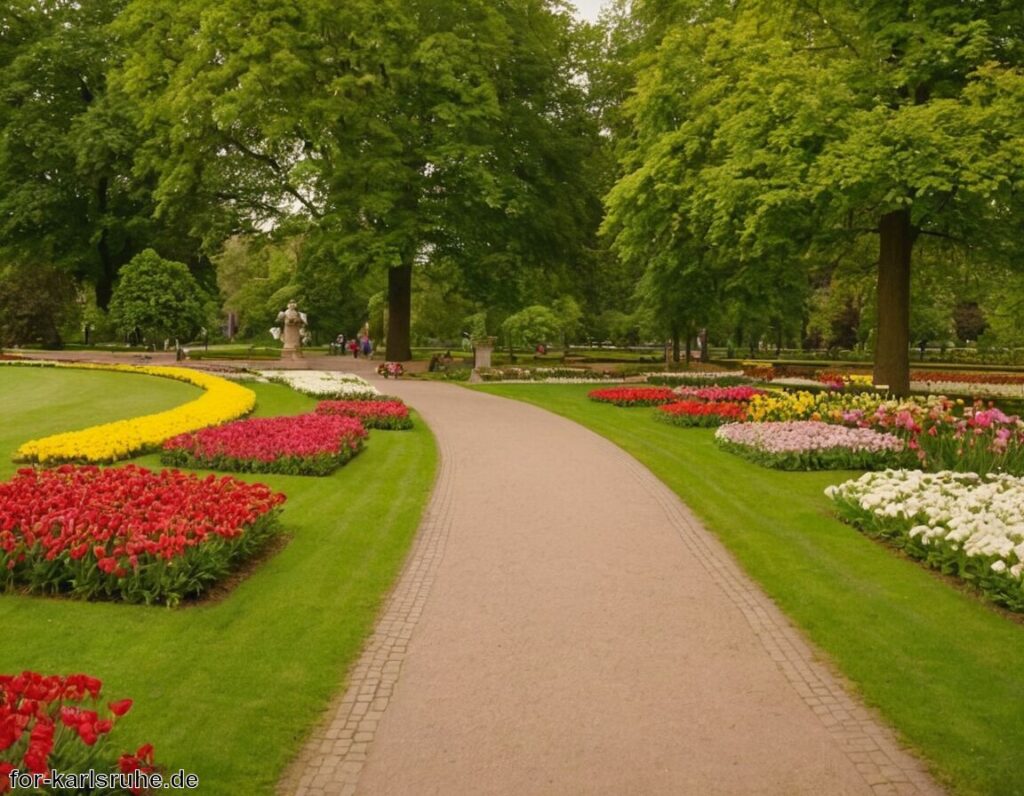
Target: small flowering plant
<point>813,445</point>
<point>53,722</point>
<point>390,370</point>
<point>128,533</point>
<point>701,413</point>
<point>964,524</point>
<point>309,444</point>
<point>633,396</point>
<point>387,415</point>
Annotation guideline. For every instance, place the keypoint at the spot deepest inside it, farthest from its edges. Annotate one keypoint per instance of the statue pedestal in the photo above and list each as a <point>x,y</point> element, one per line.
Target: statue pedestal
<point>482,350</point>
<point>291,353</point>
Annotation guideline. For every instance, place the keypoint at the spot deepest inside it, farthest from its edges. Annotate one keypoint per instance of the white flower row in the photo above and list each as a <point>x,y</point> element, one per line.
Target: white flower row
<point>696,375</point>
<point>980,515</point>
<point>322,383</point>
<point>965,388</point>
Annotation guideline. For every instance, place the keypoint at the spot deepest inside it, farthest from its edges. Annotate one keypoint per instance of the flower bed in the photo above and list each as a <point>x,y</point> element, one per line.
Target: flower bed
<point>698,378</point>
<point>718,393</point>
<point>802,405</point>
<point>963,524</point>
<point>128,533</point>
<point>838,380</point>
<point>701,413</point>
<point>324,383</point>
<point>966,378</point>
<point>557,375</point>
<point>812,445</point>
<point>222,401</point>
<point>969,388</point>
<point>309,444</point>
<point>759,371</point>
<point>390,415</point>
<point>949,436</point>
<point>49,722</point>
<point>633,396</point>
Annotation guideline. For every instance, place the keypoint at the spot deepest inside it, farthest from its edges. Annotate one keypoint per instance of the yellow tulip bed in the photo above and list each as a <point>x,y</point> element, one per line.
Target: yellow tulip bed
<point>827,406</point>
<point>222,401</point>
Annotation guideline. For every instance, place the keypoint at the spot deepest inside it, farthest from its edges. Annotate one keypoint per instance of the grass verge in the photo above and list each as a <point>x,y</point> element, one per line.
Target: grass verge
<point>942,667</point>
<point>226,689</point>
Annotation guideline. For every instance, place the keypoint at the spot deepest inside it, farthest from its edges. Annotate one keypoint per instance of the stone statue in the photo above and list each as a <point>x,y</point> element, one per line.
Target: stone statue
<point>293,325</point>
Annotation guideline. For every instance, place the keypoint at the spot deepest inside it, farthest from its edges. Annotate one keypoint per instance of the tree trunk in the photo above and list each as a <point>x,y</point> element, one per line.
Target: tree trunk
<point>105,281</point>
<point>704,345</point>
<point>892,346</point>
<point>675,344</point>
<point>689,350</point>
<point>399,313</point>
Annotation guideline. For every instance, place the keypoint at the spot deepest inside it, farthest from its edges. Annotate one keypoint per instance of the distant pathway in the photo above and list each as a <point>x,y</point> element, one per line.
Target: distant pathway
<point>564,625</point>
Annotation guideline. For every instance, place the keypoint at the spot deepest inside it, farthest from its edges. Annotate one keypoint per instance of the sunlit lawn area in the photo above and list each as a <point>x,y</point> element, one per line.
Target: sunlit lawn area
<point>226,689</point>
<point>940,665</point>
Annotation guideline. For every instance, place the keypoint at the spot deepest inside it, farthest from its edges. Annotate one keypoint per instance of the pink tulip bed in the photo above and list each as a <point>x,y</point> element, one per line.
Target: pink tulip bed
<point>310,444</point>
<point>386,415</point>
<point>718,393</point>
<point>814,445</point>
<point>943,435</point>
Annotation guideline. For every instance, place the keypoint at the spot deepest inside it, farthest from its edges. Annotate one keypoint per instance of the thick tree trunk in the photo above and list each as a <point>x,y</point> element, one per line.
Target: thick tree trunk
<point>892,346</point>
<point>399,313</point>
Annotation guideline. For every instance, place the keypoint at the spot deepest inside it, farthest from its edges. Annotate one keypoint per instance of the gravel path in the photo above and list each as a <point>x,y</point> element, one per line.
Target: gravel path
<point>564,625</point>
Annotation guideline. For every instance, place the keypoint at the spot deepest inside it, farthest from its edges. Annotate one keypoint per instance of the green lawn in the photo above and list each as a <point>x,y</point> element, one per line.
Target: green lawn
<point>944,668</point>
<point>228,690</point>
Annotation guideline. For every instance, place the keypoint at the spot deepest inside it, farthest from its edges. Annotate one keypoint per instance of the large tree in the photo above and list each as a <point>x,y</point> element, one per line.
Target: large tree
<point>68,195</point>
<point>770,131</point>
<point>401,131</point>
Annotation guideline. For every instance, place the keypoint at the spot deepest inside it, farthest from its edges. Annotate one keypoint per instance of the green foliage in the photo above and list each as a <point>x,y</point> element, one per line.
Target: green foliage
<point>532,325</point>
<point>35,304</point>
<point>69,193</point>
<point>393,132</point>
<point>159,298</point>
<point>756,157</point>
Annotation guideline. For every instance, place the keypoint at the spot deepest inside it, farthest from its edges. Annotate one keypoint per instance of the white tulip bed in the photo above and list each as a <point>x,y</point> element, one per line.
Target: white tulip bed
<point>963,524</point>
<point>324,383</point>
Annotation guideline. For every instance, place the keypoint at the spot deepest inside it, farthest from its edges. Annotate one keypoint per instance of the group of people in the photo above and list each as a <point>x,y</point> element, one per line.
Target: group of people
<point>359,344</point>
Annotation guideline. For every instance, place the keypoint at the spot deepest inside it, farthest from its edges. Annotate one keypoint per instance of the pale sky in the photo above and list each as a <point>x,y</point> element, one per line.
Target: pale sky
<point>588,9</point>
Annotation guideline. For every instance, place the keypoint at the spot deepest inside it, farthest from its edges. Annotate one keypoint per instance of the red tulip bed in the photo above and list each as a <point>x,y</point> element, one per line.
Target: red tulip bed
<point>702,413</point>
<point>128,533</point>
<point>633,396</point>
<point>309,444</point>
<point>387,415</point>
<point>53,722</point>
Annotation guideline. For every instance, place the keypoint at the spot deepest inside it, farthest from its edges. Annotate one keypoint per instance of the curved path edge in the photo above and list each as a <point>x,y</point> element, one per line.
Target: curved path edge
<point>863,755</point>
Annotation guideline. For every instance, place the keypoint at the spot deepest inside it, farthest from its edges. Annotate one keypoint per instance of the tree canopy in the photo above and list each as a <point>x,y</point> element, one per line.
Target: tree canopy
<point>158,299</point>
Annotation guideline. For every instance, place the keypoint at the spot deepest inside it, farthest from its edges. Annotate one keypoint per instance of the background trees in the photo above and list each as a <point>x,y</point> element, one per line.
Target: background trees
<point>779,136</point>
<point>770,172</point>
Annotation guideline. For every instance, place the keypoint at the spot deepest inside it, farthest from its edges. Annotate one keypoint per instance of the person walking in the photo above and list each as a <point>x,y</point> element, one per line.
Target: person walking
<point>354,348</point>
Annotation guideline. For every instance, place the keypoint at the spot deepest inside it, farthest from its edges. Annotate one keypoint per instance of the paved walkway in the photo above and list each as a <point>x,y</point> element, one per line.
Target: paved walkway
<point>565,626</point>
